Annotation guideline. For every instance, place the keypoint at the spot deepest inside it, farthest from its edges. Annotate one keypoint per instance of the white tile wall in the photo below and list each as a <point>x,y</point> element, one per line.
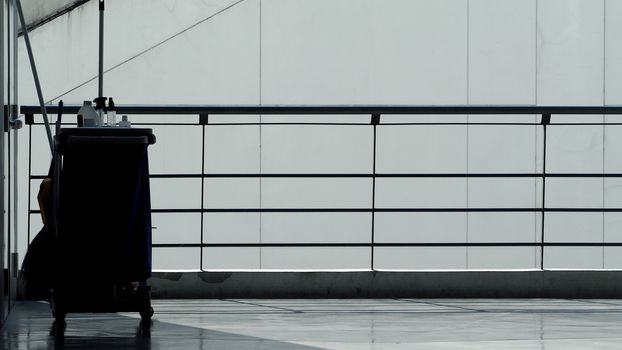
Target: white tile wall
<point>176,228</point>
<point>231,228</point>
<point>421,193</point>
<point>574,149</point>
<point>502,192</point>
<point>502,51</point>
<point>317,149</point>
<point>502,149</point>
<point>420,227</point>
<point>573,227</point>
<point>420,258</point>
<point>231,193</point>
<point>574,193</point>
<point>570,52</point>
<point>613,147</point>
<point>316,193</point>
<point>316,227</point>
<point>573,258</point>
<point>504,227</point>
<point>427,40</point>
<point>613,52</point>
<point>231,149</point>
<point>421,149</point>
<point>176,258</point>
<point>175,193</point>
<point>488,258</point>
<point>315,258</point>
<point>231,258</point>
<point>177,150</point>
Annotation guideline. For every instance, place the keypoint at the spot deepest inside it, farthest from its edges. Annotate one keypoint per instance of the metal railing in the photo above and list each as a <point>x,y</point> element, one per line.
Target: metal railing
<point>542,120</point>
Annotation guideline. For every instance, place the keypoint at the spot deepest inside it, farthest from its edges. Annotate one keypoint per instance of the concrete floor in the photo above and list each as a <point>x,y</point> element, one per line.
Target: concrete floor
<point>332,324</point>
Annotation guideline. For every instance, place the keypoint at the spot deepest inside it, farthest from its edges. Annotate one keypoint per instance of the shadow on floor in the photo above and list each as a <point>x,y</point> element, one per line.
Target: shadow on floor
<point>30,326</point>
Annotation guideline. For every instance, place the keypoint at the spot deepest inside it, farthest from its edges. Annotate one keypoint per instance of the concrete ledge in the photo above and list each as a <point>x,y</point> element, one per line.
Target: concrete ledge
<point>375,284</point>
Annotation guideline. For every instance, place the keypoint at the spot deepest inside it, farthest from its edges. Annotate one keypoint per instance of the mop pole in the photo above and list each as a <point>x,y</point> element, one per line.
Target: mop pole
<point>35,75</point>
<point>100,86</point>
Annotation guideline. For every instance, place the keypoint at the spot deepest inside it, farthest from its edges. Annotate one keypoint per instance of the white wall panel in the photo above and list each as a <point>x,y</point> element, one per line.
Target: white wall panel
<point>420,227</point>
<point>231,258</point>
<point>574,193</point>
<point>324,59</point>
<point>231,149</point>
<point>316,193</point>
<point>427,40</point>
<point>613,258</point>
<point>502,149</point>
<point>317,149</point>
<point>315,258</point>
<point>613,227</point>
<point>504,227</point>
<point>175,193</point>
<point>177,150</point>
<point>613,147</point>
<point>421,193</point>
<point>570,52</point>
<point>574,149</point>
<point>421,149</point>
<point>502,192</point>
<point>231,193</point>
<point>316,227</point>
<point>176,228</point>
<point>355,63</point>
<point>488,258</point>
<point>426,258</point>
<point>231,228</point>
<point>176,259</point>
<point>573,258</point>
<point>613,192</point>
<point>573,227</point>
<point>613,52</point>
<point>502,51</point>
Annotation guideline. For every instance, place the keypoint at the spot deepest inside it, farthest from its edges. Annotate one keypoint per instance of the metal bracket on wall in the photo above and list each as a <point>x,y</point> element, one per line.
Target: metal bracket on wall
<point>203,119</point>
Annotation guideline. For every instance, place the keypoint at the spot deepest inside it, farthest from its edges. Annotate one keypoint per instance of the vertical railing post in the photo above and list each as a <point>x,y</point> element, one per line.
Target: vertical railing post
<point>375,120</point>
<point>546,120</point>
<point>203,121</point>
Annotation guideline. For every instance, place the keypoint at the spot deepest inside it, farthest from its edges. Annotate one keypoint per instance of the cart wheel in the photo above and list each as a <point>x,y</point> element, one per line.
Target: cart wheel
<point>145,315</point>
<point>58,311</point>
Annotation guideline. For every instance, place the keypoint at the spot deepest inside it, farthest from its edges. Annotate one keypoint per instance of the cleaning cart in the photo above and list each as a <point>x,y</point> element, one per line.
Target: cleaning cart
<point>102,221</point>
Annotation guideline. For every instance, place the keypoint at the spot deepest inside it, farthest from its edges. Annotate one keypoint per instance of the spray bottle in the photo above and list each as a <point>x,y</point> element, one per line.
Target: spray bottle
<point>111,113</point>
<point>100,107</point>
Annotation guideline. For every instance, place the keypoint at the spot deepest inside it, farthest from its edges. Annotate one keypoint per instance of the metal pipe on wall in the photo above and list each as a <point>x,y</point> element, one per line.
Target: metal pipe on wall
<point>3,233</point>
<point>15,258</point>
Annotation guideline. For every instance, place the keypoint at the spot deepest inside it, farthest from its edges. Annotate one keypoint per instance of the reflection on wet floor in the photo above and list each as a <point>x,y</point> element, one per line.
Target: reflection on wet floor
<point>329,324</point>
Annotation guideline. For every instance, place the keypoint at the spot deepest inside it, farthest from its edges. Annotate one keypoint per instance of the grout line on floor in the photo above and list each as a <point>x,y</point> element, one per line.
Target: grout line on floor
<point>261,305</point>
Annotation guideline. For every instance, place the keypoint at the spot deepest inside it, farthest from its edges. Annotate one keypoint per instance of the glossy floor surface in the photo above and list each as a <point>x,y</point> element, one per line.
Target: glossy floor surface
<point>330,324</point>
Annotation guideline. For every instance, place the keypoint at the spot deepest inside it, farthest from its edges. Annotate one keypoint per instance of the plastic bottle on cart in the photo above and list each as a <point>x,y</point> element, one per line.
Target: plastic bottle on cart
<point>111,114</point>
<point>124,123</point>
<point>87,116</point>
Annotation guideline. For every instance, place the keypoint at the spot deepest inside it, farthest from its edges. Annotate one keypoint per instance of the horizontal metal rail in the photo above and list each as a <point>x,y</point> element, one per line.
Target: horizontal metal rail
<point>339,109</point>
<point>387,245</point>
<point>410,175</point>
